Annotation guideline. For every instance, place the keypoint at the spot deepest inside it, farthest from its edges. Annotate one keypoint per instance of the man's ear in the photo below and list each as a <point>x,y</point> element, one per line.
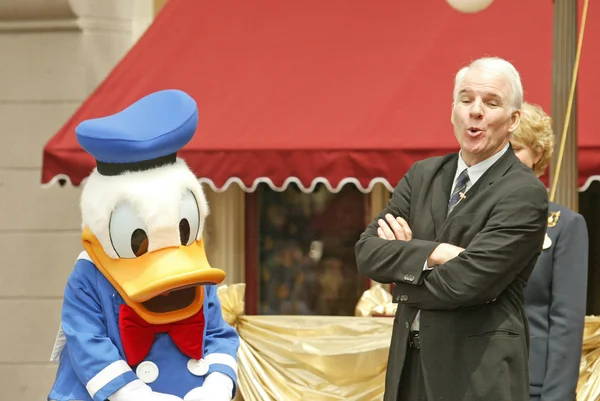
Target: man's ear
<point>452,114</point>
<point>515,119</point>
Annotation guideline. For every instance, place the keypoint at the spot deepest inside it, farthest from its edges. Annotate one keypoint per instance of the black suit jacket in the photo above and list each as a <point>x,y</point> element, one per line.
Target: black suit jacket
<point>555,300</point>
<point>472,348</point>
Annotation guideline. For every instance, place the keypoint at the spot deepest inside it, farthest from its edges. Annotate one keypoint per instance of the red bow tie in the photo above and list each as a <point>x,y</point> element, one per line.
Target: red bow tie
<point>137,335</point>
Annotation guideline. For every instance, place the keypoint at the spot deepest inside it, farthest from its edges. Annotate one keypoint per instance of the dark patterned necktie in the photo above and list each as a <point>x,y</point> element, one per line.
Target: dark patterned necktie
<point>459,190</point>
<point>461,186</point>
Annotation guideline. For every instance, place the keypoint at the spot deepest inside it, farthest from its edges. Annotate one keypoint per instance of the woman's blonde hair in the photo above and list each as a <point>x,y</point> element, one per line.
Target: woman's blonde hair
<point>535,132</point>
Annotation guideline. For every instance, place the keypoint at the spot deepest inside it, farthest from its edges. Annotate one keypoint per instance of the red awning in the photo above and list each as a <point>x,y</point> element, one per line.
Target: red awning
<point>311,91</point>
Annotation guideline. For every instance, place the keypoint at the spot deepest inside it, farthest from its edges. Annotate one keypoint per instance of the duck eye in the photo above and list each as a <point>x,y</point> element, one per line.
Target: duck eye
<point>139,242</point>
<point>189,223</point>
<point>128,233</point>
<point>184,231</point>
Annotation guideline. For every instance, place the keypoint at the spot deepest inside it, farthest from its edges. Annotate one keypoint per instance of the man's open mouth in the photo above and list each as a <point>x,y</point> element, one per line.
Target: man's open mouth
<point>474,130</point>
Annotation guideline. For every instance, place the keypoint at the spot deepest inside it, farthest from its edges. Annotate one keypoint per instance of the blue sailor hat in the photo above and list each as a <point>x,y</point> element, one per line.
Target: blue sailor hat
<point>145,135</point>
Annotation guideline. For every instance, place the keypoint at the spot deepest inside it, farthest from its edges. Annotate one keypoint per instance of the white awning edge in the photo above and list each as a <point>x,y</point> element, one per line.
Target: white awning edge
<point>588,182</point>
<point>290,180</point>
<point>235,180</point>
<point>295,180</point>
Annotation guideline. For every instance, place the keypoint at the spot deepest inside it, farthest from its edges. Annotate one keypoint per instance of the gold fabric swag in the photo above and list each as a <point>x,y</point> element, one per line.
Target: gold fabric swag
<point>323,358</point>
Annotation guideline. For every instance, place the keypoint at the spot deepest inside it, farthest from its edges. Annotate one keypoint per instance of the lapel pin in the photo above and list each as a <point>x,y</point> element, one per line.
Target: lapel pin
<point>553,219</point>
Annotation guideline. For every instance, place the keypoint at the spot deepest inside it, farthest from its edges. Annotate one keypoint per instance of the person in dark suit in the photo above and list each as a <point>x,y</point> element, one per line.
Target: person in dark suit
<point>463,233</point>
<point>555,295</point>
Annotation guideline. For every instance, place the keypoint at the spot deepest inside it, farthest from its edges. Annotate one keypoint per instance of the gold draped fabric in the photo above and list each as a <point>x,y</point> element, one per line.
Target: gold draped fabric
<point>588,387</point>
<point>288,358</point>
<point>323,358</point>
<point>376,301</point>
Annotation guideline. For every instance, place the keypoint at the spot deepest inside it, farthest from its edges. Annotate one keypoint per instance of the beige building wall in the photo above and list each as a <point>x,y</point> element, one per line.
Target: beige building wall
<point>53,53</point>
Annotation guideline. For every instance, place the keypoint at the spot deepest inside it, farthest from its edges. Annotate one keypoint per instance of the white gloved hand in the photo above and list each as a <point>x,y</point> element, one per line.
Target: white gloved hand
<point>216,387</point>
<point>137,390</point>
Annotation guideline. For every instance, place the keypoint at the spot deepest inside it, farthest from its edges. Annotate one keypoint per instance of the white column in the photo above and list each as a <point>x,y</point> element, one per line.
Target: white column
<point>225,232</point>
<point>143,15</point>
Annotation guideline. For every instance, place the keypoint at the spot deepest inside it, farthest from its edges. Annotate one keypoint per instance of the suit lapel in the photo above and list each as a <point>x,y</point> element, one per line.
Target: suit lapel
<point>498,169</point>
<point>495,172</point>
<point>442,185</point>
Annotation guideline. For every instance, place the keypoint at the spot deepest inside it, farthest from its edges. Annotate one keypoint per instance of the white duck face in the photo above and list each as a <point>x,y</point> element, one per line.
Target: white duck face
<point>143,230</point>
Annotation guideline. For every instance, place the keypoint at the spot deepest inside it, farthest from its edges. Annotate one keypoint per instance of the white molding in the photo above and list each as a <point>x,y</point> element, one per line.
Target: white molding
<point>37,15</point>
<point>131,16</point>
<point>18,10</point>
<point>128,16</point>
<point>39,25</point>
<point>103,24</point>
<point>104,15</point>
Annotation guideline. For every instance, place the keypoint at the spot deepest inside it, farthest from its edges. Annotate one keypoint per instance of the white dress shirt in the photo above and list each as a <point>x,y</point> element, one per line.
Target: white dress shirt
<point>475,171</point>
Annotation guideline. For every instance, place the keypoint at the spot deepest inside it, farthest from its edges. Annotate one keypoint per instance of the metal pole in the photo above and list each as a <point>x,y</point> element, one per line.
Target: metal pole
<point>563,59</point>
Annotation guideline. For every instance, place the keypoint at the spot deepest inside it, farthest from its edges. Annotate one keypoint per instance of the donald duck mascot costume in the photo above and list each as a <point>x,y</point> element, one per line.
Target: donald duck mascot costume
<point>141,320</point>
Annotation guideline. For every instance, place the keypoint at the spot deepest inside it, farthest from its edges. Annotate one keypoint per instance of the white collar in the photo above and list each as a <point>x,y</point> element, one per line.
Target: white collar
<point>476,171</point>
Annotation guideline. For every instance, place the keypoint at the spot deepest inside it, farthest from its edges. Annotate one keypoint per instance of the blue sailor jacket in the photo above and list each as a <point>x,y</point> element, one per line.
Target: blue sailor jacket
<point>92,361</point>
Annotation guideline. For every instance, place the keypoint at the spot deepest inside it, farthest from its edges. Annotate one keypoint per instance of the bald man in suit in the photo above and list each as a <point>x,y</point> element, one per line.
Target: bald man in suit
<point>463,233</point>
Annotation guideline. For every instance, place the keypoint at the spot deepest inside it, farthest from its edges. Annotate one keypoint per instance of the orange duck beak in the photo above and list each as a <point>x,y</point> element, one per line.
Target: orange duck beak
<point>163,286</point>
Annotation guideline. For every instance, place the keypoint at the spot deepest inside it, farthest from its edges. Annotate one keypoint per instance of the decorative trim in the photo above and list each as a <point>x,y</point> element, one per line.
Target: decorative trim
<point>59,344</point>
<point>235,180</point>
<point>222,359</point>
<point>84,256</point>
<point>107,375</point>
<point>296,180</point>
<point>290,180</point>
<point>61,177</point>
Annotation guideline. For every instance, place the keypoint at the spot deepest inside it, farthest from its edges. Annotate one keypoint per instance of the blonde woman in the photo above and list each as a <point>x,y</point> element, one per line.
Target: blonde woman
<point>555,295</point>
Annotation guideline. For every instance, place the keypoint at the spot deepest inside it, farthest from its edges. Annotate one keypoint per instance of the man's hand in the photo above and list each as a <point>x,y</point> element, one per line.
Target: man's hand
<point>394,228</point>
<point>443,253</point>
<point>397,229</point>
